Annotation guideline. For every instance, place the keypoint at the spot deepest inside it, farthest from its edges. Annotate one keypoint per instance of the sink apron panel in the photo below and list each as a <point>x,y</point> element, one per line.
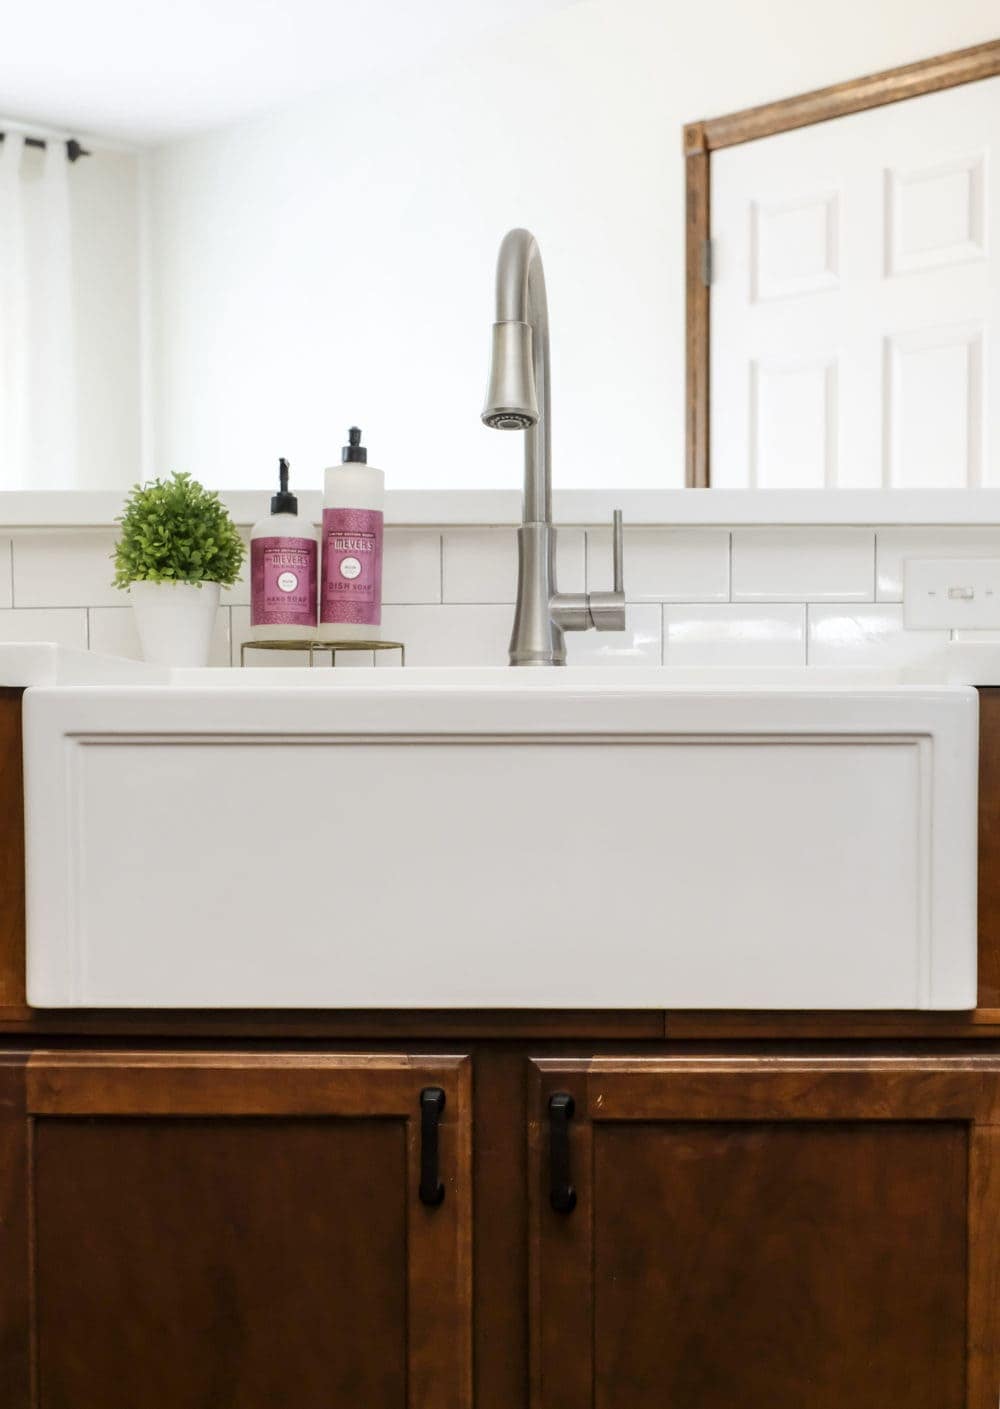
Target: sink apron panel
<point>578,848</point>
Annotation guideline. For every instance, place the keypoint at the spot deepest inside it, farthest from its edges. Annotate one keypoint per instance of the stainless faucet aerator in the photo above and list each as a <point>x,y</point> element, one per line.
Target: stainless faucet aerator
<point>507,420</point>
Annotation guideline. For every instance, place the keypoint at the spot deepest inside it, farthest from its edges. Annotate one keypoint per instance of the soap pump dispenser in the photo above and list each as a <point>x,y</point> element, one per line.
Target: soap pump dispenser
<point>350,606</point>
<point>283,553</point>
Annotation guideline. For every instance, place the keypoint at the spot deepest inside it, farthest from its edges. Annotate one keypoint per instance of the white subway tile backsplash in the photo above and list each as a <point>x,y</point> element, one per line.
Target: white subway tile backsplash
<point>871,635</point>
<point>449,593</point>
<point>6,574</point>
<point>113,632</point>
<point>411,570</point>
<point>895,545</point>
<point>639,644</point>
<point>480,564</point>
<point>734,636</point>
<point>65,569</point>
<point>664,564</point>
<point>452,634</point>
<point>65,626</point>
<point>786,565</point>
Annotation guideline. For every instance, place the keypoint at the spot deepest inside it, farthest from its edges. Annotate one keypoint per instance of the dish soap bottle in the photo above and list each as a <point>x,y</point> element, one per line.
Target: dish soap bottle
<point>350,599</point>
<point>283,556</point>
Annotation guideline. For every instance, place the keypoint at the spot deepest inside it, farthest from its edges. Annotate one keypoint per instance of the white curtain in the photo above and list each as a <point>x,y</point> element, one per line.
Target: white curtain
<point>38,433</point>
<point>13,332</point>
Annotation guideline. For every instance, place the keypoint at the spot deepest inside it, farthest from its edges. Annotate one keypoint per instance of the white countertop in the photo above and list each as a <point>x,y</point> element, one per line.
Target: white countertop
<point>26,664</point>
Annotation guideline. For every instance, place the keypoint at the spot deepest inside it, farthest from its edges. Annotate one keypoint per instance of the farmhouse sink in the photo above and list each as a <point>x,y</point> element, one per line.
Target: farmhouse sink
<point>582,838</point>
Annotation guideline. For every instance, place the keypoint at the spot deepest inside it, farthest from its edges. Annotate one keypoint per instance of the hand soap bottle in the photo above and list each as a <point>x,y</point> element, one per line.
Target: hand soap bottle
<point>350,598</point>
<point>283,571</point>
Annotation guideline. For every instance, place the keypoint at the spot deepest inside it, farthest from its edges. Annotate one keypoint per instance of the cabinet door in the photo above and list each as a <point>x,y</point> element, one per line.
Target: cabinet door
<point>766,1232</point>
<point>234,1230</point>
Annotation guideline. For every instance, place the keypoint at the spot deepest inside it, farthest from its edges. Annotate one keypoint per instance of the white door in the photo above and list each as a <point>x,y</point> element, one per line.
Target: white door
<point>855,302</point>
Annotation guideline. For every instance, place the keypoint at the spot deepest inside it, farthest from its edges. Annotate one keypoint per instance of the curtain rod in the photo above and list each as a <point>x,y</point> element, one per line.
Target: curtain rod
<point>74,151</point>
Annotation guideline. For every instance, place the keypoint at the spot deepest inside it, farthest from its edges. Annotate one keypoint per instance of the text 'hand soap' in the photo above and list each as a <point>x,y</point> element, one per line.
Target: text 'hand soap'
<point>283,571</point>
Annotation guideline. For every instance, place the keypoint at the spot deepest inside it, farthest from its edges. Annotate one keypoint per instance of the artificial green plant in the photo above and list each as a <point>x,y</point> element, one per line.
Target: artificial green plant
<point>175,530</point>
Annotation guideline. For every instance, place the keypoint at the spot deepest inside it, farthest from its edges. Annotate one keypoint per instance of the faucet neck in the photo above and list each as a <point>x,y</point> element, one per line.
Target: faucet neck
<point>521,299</point>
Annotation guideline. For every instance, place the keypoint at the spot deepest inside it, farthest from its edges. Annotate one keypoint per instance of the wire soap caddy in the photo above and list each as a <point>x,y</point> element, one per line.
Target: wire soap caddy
<point>313,647</point>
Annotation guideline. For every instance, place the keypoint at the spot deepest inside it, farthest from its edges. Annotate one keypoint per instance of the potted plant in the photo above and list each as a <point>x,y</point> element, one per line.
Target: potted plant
<point>177,548</point>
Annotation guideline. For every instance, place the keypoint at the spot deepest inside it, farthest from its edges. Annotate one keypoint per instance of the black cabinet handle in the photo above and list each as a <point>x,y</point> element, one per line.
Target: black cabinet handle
<point>562,1195</point>
<point>431,1106</point>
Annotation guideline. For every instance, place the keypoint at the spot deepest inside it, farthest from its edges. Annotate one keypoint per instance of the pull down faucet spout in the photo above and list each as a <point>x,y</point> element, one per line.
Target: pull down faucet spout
<point>518,398</point>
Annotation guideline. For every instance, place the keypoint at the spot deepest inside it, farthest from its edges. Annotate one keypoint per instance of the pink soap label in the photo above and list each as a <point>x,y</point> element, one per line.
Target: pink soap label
<point>283,582</point>
<point>352,567</point>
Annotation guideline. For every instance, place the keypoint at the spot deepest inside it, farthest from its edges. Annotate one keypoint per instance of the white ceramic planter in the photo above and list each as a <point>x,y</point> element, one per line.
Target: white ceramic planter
<point>175,620</point>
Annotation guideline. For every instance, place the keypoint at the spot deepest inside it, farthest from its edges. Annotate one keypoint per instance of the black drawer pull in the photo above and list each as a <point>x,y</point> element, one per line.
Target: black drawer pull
<point>431,1106</point>
<point>562,1195</point>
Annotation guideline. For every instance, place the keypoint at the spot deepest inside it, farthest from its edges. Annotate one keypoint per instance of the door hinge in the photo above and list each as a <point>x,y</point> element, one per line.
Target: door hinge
<point>707,262</point>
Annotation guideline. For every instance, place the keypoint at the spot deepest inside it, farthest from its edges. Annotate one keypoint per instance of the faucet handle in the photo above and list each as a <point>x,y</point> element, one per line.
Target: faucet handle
<point>607,609</point>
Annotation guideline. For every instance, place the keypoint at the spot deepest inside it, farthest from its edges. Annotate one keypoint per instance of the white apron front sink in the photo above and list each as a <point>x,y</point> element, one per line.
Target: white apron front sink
<point>508,839</point>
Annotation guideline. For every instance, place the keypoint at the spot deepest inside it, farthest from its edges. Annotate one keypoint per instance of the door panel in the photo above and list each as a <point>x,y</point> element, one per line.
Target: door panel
<point>708,1246</point>
<point>768,1232</point>
<point>241,1230</point>
<point>855,303</point>
<point>242,1235</point>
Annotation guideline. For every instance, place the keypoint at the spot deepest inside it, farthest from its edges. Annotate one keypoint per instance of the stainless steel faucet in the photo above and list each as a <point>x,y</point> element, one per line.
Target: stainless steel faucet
<point>517,398</point>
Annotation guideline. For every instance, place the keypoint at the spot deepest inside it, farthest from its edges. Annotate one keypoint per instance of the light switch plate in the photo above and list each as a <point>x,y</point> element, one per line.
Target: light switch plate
<point>951,592</point>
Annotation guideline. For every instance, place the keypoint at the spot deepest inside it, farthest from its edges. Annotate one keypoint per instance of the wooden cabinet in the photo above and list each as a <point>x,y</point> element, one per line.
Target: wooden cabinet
<point>765,1232</point>
<point>234,1230</point>
<point>248,1229</point>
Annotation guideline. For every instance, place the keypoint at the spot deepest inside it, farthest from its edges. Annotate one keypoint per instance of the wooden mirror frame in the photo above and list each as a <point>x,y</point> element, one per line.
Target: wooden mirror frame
<point>701,139</point>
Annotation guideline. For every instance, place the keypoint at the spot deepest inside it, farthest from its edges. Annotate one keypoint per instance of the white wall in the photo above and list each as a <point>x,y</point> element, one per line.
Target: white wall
<point>333,263</point>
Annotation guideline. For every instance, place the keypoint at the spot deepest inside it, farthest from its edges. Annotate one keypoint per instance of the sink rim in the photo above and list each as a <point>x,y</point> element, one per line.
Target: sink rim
<point>50,665</point>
